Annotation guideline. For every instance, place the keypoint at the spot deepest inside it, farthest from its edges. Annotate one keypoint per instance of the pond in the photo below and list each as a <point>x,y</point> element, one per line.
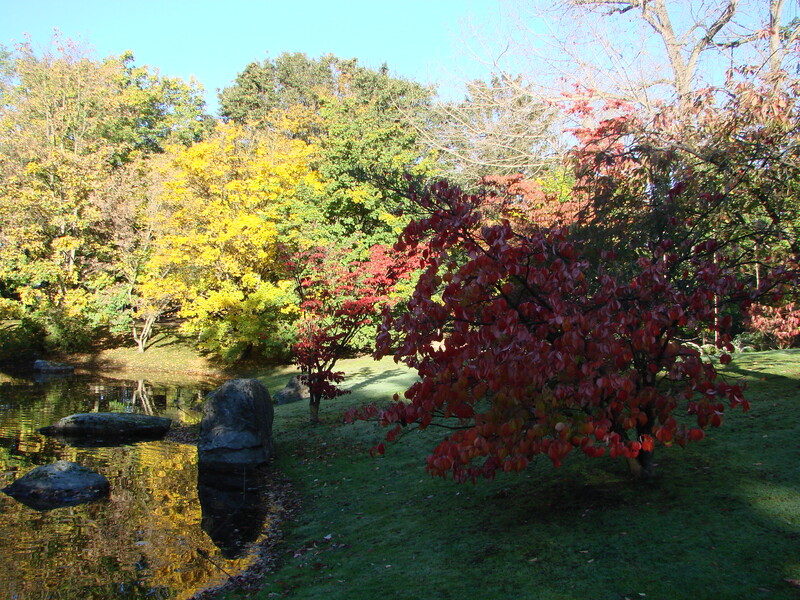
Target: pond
<point>149,538</point>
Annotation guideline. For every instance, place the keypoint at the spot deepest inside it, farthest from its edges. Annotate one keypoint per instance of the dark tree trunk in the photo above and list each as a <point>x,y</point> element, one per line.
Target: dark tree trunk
<point>642,467</point>
<point>313,405</point>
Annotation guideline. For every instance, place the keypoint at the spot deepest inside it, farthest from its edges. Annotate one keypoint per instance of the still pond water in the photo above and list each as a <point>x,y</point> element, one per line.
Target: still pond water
<point>149,538</point>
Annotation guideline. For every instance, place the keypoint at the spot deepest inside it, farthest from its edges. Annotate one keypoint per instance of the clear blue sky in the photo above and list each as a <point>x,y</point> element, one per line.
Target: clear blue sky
<point>215,40</point>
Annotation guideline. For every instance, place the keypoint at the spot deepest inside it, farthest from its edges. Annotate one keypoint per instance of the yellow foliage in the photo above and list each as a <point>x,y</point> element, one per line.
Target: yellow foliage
<point>232,202</point>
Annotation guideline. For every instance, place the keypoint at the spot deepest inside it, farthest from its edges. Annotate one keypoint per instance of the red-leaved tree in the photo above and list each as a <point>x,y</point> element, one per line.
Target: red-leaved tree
<point>339,298</point>
<point>781,324</point>
<point>524,347</point>
<point>529,202</point>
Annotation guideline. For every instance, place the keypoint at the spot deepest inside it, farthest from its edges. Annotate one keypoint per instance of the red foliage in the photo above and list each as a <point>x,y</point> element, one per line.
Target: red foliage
<point>723,161</point>
<point>526,348</point>
<point>779,323</point>
<point>338,299</point>
<point>530,202</point>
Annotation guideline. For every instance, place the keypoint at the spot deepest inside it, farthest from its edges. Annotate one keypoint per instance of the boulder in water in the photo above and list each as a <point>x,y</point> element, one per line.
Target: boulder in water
<point>108,427</point>
<point>45,366</point>
<point>59,484</point>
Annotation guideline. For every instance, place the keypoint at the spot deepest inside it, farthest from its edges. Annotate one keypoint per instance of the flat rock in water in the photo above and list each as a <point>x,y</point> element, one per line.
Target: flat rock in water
<point>45,366</point>
<point>59,484</point>
<point>109,427</point>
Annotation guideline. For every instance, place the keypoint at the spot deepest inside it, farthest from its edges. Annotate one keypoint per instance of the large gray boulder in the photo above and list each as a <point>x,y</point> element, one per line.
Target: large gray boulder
<point>294,391</point>
<point>59,484</point>
<point>108,427</point>
<point>236,430</point>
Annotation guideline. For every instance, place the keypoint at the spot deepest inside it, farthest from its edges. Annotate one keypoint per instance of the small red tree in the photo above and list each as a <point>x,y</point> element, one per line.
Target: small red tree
<point>524,347</point>
<point>339,298</point>
<point>780,324</point>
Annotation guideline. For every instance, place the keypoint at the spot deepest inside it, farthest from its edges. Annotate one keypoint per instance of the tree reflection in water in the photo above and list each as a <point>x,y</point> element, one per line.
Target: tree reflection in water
<point>146,540</point>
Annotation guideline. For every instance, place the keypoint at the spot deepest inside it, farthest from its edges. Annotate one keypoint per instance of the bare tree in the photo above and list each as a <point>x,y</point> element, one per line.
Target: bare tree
<point>640,51</point>
<point>500,128</point>
<point>683,49</point>
<point>643,52</point>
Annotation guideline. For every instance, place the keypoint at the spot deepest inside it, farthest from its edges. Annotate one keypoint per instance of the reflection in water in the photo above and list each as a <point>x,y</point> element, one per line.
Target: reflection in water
<point>144,541</point>
<point>234,506</point>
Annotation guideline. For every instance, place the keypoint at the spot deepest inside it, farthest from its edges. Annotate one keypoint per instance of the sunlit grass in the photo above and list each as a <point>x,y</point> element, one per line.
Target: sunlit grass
<point>721,520</point>
<point>167,352</point>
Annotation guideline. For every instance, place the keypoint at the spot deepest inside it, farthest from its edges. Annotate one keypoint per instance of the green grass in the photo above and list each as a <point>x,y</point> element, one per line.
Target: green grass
<point>167,352</point>
<point>721,520</point>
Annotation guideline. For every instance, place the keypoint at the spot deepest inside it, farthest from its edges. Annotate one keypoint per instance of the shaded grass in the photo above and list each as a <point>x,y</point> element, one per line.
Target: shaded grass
<point>721,520</point>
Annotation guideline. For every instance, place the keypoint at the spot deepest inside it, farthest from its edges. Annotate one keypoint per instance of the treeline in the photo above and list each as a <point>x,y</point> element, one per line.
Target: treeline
<point>122,202</point>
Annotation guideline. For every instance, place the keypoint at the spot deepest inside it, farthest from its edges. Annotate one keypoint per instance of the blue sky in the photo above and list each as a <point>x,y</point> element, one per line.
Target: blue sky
<point>213,41</point>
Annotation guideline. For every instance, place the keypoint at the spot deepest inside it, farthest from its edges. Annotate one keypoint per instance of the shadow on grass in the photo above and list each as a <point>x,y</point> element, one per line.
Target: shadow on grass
<point>720,520</point>
<point>590,532</point>
<point>369,377</point>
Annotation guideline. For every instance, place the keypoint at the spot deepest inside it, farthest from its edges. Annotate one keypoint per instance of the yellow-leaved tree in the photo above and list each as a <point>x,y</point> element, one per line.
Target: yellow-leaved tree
<point>76,135</point>
<point>232,209</point>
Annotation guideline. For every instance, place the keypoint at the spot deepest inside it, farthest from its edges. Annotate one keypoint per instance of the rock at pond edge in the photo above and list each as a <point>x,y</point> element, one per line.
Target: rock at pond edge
<point>237,426</point>
<point>45,366</point>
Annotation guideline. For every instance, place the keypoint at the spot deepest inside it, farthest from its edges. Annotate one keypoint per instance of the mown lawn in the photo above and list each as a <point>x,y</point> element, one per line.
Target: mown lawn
<point>721,520</point>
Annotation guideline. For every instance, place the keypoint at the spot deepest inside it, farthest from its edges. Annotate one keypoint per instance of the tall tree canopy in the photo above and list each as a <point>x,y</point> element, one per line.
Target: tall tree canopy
<point>359,118</point>
<point>71,128</point>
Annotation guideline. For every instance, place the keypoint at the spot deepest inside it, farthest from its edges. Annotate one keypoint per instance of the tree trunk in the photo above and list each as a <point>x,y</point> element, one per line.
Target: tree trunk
<point>642,467</point>
<point>313,405</point>
<point>143,336</point>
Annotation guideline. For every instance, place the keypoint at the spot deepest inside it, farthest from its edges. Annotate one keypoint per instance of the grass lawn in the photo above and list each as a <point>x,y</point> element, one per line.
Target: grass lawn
<point>721,520</point>
<point>166,352</point>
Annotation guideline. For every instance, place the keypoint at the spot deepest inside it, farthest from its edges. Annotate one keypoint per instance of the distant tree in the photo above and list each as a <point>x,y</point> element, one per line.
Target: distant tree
<point>502,127</point>
<point>368,149</point>
<point>6,70</point>
<point>780,324</point>
<point>357,116</point>
<point>265,88</point>
<point>531,200</point>
<point>70,127</point>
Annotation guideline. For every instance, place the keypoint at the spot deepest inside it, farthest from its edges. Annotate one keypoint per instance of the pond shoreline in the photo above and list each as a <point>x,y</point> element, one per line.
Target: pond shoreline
<point>284,502</point>
<point>123,364</point>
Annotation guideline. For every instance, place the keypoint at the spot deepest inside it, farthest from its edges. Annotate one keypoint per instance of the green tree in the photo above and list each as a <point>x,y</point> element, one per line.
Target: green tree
<point>290,80</point>
<point>70,128</point>
<point>359,117</point>
<point>368,150</point>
